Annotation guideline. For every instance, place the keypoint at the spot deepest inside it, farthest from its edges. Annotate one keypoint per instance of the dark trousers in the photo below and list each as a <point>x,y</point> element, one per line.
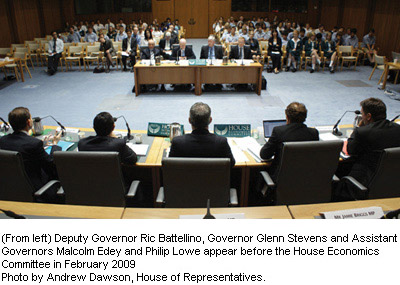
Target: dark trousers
<point>53,63</point>
<point>132,58</point>
<point>276,61</point>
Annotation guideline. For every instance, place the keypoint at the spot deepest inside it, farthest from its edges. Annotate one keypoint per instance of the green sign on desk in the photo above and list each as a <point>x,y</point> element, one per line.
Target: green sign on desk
<point>199,62</point>
<point>233,131</point>
<point>160,130</point>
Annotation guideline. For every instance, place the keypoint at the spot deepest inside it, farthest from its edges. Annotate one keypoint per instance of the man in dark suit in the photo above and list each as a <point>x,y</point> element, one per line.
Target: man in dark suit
<point>150,52</point>
<point>295,130</point>
<point>166,45</point>
<point>240,51</point>
<point>201,143</point>
<point>38,164</point>
<point>104,139</point>
<point>183,52</point>
<point>374,134</point>
<point>211,51</point>
<point>107,47</point>
<point>129,45</point>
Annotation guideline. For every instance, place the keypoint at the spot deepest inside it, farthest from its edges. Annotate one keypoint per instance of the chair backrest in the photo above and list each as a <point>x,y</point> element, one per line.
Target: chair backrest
<point>305,172</point>
<point>75,49</point>
<point>90,49</point>
<point>346,49</point>
<point>396,55</point>
<point>117,46</point>
<point>4,51</point>
<point>82,44</point>
<point>380,60</point>
<point>22,49</point>
<point>91,178</point>
<point>176,46</point>
<point>37,40</point>
<point>264,45</point>
<point>96,44</point>
<point>14,46</point>
<point>68,44</point>
<point>14,182</point>
<point>33,47</point>
<point>189,182</point>
<point>21,55</point>
<point>45,47</point>
<point>29,42</point>
<point>386,180</point>
<point>49,37</point>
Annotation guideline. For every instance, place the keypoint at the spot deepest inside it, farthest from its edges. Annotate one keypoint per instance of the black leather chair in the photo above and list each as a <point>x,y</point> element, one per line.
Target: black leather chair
<point>189,182</point>
<point>306,172</point>
<point>386,180</point>
<point>176,46</point>
<point>93,178</point>
<point>15,184</point>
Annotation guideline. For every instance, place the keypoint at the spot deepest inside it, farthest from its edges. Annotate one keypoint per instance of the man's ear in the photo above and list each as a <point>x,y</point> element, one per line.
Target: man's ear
<point>113,127</point>
<point>190,121</point>
<point>210,120</point>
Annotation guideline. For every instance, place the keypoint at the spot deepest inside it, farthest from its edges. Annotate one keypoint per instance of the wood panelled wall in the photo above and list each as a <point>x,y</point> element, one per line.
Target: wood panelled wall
<point>23,20</point>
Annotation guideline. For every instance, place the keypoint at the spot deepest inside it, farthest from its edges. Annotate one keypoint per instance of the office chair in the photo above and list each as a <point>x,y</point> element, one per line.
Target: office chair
<point>189,182</point>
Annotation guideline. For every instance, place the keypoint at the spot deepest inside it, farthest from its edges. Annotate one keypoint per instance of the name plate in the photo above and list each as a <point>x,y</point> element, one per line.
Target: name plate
<point>361,213</point>
<point>197,62</point>
<point>233,131</point>
<point>160,130</point>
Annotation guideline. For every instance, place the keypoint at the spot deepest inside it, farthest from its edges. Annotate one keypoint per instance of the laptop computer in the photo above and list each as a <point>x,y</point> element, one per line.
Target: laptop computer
<point>269,125</point>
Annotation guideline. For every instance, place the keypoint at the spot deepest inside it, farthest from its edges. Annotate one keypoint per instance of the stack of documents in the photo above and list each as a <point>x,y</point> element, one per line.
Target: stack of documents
<point>250,145</point>
<point>238,154</point>
<point>139,149</point>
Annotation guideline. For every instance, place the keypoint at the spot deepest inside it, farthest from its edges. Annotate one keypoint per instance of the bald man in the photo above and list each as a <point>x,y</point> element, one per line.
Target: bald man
<point>183,52</point>
<point>150,52</point>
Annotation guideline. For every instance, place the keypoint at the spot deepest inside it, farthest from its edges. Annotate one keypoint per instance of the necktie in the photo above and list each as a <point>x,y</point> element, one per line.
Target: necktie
<point>241,53</point>
<point>183,53</point>
<point>151,55</point>
<point>128,49</point>
<point>55,44</point>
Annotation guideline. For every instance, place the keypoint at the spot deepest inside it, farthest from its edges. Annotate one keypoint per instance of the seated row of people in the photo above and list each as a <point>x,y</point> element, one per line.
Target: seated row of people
<point>373,134</point>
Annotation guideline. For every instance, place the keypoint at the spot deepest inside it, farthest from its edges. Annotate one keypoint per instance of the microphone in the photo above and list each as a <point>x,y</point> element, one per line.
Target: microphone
<point>6,125</point>
<point>208,216</point>
<point>128,136</point>
<point>11,214</point>
<point>394,119</point>
<point>335,130</point>
<point>63,129</point>
<point>392,215</point>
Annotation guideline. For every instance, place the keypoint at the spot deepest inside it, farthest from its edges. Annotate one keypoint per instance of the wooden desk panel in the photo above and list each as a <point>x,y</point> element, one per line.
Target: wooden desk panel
<point>166,75</point>
<point>313,210</point>
<point>274,212</point>
<point>67,211</point>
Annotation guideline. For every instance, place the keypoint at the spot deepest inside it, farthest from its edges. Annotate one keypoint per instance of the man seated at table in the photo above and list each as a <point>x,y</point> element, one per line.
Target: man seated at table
<point>240,51</point>
<point>104,140</point>
<point>294,130</point>
<point>211,51</point>
<point>374,134</point>
<point>201,143</point>
<point>129,45</point>
<point>56,48</point>
<point>150,53</point>
<point>38,164</point>
<point>183,52</point>
<point>166,46</point>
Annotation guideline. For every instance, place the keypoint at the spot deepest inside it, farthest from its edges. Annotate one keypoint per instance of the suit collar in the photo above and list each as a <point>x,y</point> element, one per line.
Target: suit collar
<point>201,132</point>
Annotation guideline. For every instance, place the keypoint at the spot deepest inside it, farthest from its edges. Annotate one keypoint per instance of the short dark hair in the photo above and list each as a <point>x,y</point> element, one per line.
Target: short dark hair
<point>200,114</point>
<point>375,107</point>
<point>103,124</point>
<point>296,112</point>
<point>372,30</point>
<point>319,36</point>
<point>353,30</point>
<point>18,118</point>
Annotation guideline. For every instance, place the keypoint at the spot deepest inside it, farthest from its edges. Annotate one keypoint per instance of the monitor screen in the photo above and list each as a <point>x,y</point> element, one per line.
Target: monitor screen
<point>270,125</point>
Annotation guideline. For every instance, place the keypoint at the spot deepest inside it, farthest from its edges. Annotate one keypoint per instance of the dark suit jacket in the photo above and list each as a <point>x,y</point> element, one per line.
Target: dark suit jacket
<point>288,133</point>
<point>366,143</point>
<point>106,46</point>
<point>254,46</point>
<point>188,53</point>
<point>272,47</point>
<point>163,42</point>
<point>219,54</point>
<point>234,53</point>
<point>146,53</point>
<point>201,143</point>
<point>106,143</point>
<point>38,164</point>
<point>133,45</point>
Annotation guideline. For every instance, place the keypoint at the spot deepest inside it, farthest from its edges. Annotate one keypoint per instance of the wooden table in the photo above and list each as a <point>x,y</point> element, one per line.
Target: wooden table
<point>273,212</point>
<point>66,211</point>
<point>386,71</point>
<point>17,61</point>
<point>170,73</point>
<point>313,210</point>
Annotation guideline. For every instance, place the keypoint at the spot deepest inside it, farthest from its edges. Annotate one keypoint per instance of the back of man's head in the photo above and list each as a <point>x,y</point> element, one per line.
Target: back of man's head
<point>200,115</point>
<point>296,112</point>
<point>375,107</point>
<point>18,118</point>
<point>103,124</point>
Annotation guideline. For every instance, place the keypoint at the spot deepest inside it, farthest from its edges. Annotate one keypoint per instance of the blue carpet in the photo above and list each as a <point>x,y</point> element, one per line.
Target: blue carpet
<point>74,98</point>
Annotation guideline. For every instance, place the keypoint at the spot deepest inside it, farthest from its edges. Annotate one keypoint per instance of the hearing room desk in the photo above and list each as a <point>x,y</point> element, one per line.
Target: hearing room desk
<point>170,73</point>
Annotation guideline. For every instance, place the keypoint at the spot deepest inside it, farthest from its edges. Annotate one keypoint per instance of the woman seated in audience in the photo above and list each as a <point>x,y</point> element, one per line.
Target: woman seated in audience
<point>177,26</point>
<point>294,48</point>
<point>280,27</point>
<point>112,33</point>
<point>254,46</point>
<point>251,26</point>
<point>311,49</point>
<point>308,28</point>
<point>275,50</point>
<point>147,36</point>
<point>157,33</point>
<point>329,49</point>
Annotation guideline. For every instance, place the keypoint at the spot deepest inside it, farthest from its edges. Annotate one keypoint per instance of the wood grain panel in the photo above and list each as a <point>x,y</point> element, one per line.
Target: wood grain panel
<point>182,12</point>
<point>216,9</point>
<point>200,16</point>
<point>329,13</point>
<point>51,15</point>
<point>5,33</point>
<point>163,9</point>
<point>355,15</point>
<point>27,19</point>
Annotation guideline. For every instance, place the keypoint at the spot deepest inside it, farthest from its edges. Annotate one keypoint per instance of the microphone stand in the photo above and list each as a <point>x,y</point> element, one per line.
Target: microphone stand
<point>335,130</point>
<point>63,129</point>
<point>128,136</point>
<point>394,119</point>
<point>6,126</point>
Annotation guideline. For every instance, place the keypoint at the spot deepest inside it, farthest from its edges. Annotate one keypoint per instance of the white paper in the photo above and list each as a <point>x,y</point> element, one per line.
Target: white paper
<point>69,130</point>
<point>184,63</point>
<point>324,128</point>
<point>330,137</point>
<point>233,216</point>
<point>237,153</point>
<point>361,213</point>
<point>245,62</point>
<point>124,53</point>
<point>139,149</point>
<point>250,145</point>
<point>146,62</point>
<point>216,62</point>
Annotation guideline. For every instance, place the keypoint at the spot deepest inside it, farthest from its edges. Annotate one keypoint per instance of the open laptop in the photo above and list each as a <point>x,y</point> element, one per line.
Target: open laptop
<point>269,125</point>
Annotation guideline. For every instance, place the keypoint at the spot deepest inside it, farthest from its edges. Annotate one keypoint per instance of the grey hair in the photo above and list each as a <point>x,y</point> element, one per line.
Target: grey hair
<point>200,114</point>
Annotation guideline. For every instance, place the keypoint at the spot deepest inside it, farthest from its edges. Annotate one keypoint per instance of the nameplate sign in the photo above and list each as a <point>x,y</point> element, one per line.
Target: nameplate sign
<point>362,213</point>
<point>160,130</point>
<point>233,131</point>
<point>197,62</point>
